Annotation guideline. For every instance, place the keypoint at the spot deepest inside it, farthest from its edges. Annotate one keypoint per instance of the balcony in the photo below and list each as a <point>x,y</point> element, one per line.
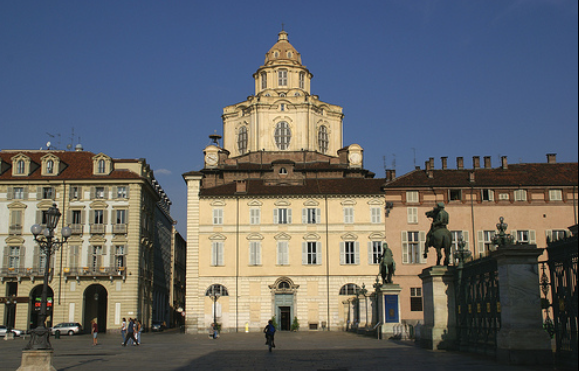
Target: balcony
<point>97,229</point>
<point>110,272</point>
<point>76,228</point>
<point>18,273</point>
<point>15,230</point>
<point>120,228</point>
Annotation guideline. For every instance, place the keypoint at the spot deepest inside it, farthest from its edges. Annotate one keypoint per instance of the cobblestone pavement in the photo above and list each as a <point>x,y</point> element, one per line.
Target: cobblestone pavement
<point>172,351</point>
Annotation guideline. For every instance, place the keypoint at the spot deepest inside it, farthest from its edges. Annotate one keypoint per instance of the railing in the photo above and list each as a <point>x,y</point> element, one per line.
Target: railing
<point>76,228</point>
<point>119,228</point>
<point>94,271</point>
<point>563,256</point>
<point>478,306</point>
<point>19,272</point>
<point>15,230</point>
<point>97,229</point>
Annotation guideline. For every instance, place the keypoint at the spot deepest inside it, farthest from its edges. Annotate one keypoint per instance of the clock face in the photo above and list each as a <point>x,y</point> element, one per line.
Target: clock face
<point>355,158</point>
<point>211,158</point>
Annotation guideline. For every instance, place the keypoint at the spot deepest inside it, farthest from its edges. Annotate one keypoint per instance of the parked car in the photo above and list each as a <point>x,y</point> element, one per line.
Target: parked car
<point>4,329</point>
<point>69,328</point>
<point>157,326</point>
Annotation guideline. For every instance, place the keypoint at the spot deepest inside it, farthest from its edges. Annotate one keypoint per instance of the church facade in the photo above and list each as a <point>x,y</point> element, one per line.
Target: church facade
<point>283,220</point>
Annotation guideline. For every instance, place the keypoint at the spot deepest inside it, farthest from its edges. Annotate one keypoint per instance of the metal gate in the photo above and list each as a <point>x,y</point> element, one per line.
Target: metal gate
<point>562,264</point>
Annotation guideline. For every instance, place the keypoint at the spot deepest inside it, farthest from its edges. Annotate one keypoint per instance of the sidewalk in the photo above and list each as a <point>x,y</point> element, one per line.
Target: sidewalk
<point>172,351</point>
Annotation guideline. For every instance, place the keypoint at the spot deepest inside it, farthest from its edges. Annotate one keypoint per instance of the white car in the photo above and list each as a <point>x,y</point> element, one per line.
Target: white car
<point>4,329</point>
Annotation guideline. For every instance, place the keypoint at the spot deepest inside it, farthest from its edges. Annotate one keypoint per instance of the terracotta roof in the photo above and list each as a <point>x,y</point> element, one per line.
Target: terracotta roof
<point>335,186</point>
<point>561,174</point>
<point>77,166</point>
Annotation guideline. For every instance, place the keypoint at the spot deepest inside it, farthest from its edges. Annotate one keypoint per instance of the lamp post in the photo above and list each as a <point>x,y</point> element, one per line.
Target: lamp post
<point>363,292</point>
<point>39,339</point>
<point>215,296</point>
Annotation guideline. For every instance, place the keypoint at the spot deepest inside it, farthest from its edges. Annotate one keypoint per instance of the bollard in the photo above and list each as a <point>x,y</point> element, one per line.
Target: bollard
<point>57,335</point>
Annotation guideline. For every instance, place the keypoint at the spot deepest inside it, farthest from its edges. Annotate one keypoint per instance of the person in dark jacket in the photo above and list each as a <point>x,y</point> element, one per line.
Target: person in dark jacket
<point>130,332</point>
<point>269,331</point>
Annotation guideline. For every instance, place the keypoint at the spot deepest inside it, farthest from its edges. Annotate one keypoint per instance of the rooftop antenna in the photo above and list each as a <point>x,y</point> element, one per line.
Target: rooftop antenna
<point>49,144</point>
<point>414,152</point>
<point>393,161</point>
<point>69,146</point>
<point>385,168</point>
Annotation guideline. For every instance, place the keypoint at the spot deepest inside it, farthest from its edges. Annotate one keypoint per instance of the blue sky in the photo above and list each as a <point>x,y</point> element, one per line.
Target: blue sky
<point>417,79</point>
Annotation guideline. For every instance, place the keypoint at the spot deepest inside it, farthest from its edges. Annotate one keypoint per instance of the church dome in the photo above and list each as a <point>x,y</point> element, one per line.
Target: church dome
<point>283,51</point>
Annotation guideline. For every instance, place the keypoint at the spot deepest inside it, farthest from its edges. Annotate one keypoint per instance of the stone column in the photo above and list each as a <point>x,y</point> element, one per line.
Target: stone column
<point>388,297</point>
<point>439,329</point>
<point>521,339</point>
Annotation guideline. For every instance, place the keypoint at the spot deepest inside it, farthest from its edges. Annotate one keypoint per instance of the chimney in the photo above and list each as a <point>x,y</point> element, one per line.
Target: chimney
<point>431,160</point>
<point>551,158</point>
<point>487,160</point>
<point>504,164</point>
<point>444,162</point>
<point>390,175</point>
<point>428,166</point>
<point>241,186</point>
<point>459,163</point>
<point>475,162</point>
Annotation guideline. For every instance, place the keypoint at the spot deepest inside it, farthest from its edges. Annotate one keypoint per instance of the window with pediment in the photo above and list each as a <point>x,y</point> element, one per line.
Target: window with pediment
<point>102,165</point>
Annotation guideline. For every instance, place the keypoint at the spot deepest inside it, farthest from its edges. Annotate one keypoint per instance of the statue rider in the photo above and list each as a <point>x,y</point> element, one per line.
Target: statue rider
<point>439,221</point>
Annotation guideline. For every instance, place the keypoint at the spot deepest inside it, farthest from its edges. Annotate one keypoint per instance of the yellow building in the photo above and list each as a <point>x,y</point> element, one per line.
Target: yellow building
<point>283,220</point>
<point>538,202</point>
<point>118,260</point>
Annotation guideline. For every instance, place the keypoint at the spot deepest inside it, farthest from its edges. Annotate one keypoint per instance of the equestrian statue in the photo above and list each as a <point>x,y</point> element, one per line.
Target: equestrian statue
<point>439,236</point>
<point>387,264</point>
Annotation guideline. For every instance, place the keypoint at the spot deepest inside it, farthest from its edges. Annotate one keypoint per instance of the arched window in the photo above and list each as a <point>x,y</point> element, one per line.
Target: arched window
<point>242,140</point>
<point>20,167</point>
<point>323,139</point>
<point>216,289</point>
<point>282,135</point>
<point>349,289</point>
<point>283,171</point>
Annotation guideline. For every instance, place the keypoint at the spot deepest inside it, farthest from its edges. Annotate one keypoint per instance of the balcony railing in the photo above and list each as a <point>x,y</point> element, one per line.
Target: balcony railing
<point>97,229</point>
<point>94,271</point>
<point>76,228</point>
<point>119,228</point>
<point>15,230</point>
<point>23,272</point>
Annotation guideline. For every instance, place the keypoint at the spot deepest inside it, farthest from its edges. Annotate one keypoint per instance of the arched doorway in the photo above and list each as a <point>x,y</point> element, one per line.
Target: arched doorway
<point>95,304</point>
<point>34,301</point>
<point>283,291</point>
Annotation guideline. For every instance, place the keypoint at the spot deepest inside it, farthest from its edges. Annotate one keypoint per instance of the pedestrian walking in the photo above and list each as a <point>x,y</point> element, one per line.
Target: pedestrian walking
<point>94,330</point>
<point>269,331</point>
<point>130,332</point>
<point>124,329</point>
<point>139,329</point>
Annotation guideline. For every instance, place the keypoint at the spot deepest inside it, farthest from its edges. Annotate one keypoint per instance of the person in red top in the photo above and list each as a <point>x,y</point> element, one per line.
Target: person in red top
<point>94,329</point>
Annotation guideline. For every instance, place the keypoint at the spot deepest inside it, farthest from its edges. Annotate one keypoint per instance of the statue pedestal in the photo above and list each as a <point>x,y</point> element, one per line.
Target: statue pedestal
<point>439,330</point>
<point>521,339</point>
<point>389,308</point>
<point>37,360</point>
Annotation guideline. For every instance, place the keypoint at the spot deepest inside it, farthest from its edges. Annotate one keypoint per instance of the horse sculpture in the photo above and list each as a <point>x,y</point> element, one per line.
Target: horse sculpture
<point>387,264</point>
<point>439,236</point>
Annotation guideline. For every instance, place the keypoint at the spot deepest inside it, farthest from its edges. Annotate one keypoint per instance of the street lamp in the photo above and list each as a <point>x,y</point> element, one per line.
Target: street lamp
<point>215,296</point>
<point>48,244</point>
